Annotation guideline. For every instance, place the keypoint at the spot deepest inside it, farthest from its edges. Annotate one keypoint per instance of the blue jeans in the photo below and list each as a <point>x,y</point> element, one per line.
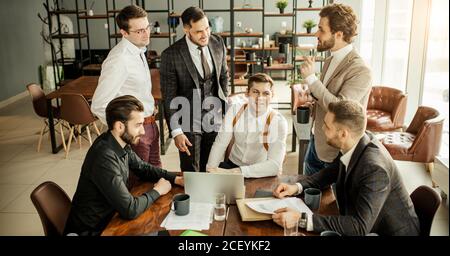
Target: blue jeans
<point>312,162</point>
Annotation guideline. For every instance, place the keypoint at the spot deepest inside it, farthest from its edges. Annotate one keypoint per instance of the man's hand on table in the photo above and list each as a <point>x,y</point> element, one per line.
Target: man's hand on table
<point>283,190</point>
<point>179,180</point>
<point>163,186</point>
<point>286,217</point>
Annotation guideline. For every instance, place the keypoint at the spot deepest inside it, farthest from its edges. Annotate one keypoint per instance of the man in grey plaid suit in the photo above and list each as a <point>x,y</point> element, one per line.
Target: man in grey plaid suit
<point>369,190</point>
<point>194,71</point>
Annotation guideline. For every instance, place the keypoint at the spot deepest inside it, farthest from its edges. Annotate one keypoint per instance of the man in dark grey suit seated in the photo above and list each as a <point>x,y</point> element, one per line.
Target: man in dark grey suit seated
<point>370,193</point>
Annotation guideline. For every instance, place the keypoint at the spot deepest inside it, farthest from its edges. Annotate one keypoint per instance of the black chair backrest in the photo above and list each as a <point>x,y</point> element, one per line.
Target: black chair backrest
<point>426,202</point>
<point>53,206</point>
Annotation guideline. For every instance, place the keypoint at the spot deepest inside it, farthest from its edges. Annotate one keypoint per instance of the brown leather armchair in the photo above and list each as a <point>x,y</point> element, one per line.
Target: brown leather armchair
<point>421,141</point>
<point>386,109</point>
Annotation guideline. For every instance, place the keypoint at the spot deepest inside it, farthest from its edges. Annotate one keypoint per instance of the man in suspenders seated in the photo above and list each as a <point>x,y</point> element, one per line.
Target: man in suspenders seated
<point>252,138</point>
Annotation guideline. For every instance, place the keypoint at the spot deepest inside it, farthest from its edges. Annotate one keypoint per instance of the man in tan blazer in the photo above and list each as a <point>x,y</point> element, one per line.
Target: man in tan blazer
<point>344,76</point>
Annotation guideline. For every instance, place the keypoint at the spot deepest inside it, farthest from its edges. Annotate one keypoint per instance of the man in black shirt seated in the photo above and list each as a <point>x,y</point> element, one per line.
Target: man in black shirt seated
<point>102,188</point>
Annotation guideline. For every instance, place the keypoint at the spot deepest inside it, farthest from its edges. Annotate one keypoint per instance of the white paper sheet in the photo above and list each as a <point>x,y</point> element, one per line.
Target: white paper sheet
<point>199,218</point>
<point>271,205</point>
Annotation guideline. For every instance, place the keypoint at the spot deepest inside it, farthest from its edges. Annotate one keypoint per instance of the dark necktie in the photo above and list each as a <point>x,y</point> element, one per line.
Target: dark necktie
<point>340,187</point>
<point>205,66</point>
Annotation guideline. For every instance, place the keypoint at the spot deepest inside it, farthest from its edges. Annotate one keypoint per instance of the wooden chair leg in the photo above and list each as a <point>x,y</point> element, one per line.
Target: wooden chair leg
<point>79,135</point>
<point>429,167</point>
<point>70,140</point>
<point>96,129</point>
<point>62,136</point>
<point>89,135</point>
<point>41,134</point>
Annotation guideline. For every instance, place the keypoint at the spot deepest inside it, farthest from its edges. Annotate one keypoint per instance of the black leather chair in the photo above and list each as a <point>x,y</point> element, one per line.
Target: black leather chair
<point>426,202</point>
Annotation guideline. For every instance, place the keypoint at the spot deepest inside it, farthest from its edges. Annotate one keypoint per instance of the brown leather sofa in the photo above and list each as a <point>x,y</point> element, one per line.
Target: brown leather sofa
<point>386,109</point>
<point>421,141</point>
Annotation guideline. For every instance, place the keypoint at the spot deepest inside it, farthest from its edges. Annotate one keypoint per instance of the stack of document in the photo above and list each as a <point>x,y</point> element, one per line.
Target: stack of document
<point>269,206</point>
<point>199,217</point>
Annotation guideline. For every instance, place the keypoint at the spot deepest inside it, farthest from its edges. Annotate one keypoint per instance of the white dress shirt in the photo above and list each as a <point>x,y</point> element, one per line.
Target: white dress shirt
<point>196,58</point>
<point>336,59</point>
<point>124,72</point>
<point>345,158</point>
<point>248,151</point>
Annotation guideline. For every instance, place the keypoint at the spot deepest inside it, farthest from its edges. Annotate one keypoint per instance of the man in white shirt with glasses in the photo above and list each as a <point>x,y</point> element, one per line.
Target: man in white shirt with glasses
<point>125,72</point>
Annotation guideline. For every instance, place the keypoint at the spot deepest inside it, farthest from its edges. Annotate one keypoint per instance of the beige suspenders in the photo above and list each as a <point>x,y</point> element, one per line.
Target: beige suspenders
<point>265,132</point>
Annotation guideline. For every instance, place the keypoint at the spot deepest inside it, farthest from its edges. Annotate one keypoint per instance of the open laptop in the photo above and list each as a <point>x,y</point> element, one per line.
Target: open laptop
<point>202,186</point>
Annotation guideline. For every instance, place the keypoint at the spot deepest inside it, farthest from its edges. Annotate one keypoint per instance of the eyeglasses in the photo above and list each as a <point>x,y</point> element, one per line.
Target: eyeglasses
<point>142,30</point>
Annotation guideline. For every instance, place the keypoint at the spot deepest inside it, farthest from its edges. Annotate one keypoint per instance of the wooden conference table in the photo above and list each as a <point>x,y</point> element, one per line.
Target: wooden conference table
<point>86,85</point>
<point>150,220</point>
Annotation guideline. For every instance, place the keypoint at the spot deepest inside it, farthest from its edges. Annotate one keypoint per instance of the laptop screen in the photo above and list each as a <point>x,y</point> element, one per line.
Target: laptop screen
<point>202,186</point>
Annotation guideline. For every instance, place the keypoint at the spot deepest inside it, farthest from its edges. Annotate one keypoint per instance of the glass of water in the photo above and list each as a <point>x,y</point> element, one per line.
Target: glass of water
<point>290,226</point>
<point>220,207</point>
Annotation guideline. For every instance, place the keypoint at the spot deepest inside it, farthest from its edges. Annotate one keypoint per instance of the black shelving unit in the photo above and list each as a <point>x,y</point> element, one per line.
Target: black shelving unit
<point>113,34</point>
<point>113,12</point>
<point>98,17</point>
<point>169,34</point>
<point>58,54</point>
<point>298,35</point>
<point>288,66</point>
<point>232,35</point>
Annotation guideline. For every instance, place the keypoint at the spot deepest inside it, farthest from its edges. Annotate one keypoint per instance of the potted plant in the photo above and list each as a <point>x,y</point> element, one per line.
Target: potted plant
<point>309,24</point>
<point>281,5</point>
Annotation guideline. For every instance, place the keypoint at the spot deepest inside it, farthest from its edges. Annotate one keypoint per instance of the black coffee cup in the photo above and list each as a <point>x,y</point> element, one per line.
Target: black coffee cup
<point>181,204</point>
<point>312,198</point>
<point>303,115</point>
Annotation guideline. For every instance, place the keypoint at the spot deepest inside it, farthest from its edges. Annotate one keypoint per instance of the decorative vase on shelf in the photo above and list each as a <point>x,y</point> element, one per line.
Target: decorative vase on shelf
<point>173,21</point>
<point>308,30</point>
<point>310,3</point>
<point>157,28</point>
<point>217,24</point>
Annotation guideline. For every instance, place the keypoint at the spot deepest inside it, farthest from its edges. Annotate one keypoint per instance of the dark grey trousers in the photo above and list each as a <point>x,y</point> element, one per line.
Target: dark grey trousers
<point>200,149</point>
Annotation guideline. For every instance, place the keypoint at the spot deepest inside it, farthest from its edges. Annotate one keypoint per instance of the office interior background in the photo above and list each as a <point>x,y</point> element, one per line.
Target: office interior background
<point>405,43</point>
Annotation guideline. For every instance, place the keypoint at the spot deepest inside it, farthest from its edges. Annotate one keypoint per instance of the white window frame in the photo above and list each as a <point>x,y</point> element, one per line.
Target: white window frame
<point>418,44</point>
<point>417,56</point>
